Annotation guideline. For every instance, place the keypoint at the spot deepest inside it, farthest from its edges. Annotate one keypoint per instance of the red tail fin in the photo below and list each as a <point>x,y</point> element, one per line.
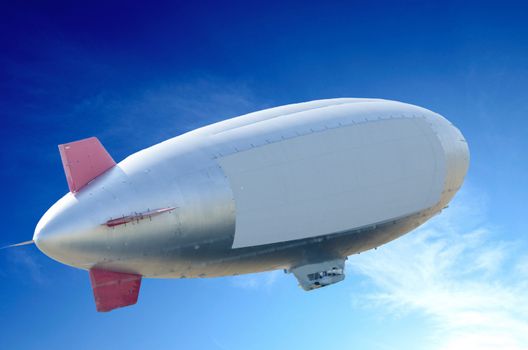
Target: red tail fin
<point>114,289</point>
<point>83,161</point>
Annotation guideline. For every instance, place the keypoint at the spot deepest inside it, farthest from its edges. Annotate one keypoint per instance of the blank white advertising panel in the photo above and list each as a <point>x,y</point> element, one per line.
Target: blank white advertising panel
<point>334,180</point>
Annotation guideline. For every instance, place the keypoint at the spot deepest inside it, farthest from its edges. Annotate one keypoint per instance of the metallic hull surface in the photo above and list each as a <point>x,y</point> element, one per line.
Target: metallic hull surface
<point>226,215</point>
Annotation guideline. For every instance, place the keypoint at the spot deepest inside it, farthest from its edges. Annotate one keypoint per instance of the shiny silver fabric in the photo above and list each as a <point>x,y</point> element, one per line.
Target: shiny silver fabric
<point>196,238</point>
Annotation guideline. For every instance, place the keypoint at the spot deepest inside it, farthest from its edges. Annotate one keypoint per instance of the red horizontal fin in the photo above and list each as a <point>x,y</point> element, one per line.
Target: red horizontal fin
<point>83,161</point>
<point>114,289</point>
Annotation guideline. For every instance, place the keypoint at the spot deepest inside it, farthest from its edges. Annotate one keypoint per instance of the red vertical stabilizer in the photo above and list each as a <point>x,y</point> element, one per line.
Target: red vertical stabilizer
<point>114,289</point>
<point>83,161</point>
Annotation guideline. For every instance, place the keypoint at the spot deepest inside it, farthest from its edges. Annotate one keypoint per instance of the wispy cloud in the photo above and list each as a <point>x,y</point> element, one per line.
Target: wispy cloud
<point>160,110</point>
<point>456,272</point>
<point>26,265</point>
<point>260,281</point>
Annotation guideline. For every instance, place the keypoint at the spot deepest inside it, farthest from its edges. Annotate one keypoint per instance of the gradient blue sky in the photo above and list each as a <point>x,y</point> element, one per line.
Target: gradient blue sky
<point>134,74</point>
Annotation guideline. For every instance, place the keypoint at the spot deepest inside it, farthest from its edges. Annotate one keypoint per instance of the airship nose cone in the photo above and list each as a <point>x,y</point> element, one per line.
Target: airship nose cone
<point>458,160</point>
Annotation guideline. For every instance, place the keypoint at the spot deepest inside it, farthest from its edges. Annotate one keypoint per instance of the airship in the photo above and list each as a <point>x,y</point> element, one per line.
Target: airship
<point>298,187</point>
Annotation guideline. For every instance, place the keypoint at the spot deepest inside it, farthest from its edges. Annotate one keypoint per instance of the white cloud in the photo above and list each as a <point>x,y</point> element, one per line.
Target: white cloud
<point>264,280</point>
<point>522,267</point>
<point>456,272</point>
<point>26,264</point>
<point>157,111</point>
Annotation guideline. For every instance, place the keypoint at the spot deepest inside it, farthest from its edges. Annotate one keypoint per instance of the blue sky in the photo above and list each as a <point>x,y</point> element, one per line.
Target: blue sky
<point>136,74</point>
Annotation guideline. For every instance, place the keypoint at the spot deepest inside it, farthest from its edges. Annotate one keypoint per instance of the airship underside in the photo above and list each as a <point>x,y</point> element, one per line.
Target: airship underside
<point>298,187</point>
